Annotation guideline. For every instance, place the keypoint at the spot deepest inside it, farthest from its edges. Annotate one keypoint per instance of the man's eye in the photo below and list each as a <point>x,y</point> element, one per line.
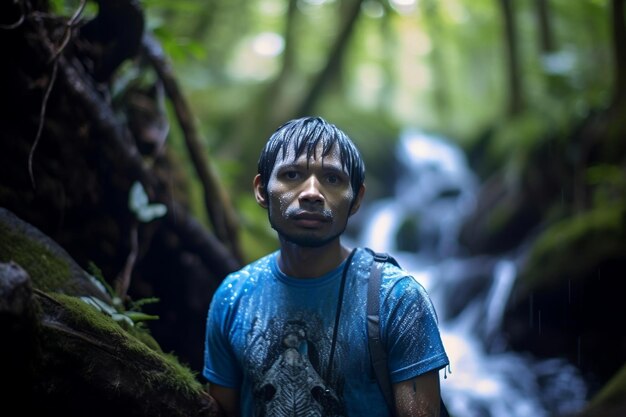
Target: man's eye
<point>333,179</point>
<point>291,175</point>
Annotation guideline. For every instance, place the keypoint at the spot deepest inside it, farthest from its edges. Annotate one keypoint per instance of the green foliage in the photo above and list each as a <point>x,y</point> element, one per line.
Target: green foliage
<point>440,66</point>
<point>610,184</point>
<point>574,246</point>
<point>118,312</point>
<point>145,354</point>
<point>138,304</point>
<point>515,139</point>
<point>70,7</point>
<point>96,273</point>
<point>257,237</point>
<point>128,317</point>
<point>374,133</point>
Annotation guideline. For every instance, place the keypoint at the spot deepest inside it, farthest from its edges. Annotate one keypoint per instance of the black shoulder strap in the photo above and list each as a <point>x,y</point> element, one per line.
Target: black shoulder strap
<point>378,355</point>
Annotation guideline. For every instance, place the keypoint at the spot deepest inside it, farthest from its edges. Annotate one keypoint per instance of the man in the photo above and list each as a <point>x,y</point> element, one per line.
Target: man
<point>286,335</point>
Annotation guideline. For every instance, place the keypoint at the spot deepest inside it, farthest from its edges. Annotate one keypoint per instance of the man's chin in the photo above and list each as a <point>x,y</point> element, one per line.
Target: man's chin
<point>308,241</point>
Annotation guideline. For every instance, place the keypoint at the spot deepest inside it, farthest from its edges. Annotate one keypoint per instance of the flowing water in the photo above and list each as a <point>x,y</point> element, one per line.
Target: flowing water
<point>419,225</point>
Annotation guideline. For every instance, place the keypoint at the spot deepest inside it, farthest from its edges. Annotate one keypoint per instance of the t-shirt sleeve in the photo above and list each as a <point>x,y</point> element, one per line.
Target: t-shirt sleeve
<point>410,330</point>
<point>220,364</point>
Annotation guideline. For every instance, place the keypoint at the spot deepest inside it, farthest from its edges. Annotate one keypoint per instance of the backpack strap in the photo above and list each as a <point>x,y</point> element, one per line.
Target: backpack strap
<point>378,355</point>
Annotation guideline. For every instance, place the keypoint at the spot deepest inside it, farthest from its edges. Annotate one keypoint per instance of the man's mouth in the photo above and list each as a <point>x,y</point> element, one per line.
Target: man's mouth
<point>310,219</point>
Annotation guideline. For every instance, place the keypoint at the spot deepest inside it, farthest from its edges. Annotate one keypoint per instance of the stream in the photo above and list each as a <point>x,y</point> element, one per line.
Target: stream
<point>419,226</point>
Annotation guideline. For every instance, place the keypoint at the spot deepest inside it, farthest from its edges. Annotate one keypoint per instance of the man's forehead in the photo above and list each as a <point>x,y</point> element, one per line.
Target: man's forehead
<point>288,155</point>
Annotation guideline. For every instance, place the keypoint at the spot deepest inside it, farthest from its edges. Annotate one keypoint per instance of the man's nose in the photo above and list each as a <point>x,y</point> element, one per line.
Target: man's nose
<point>311,192</point>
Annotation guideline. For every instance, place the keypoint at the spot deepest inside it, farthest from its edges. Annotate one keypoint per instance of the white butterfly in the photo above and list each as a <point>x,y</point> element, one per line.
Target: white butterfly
<point>139,204</point>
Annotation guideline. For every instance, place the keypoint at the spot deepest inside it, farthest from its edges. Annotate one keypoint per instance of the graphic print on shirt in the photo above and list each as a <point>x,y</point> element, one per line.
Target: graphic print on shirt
<point>285,361</point>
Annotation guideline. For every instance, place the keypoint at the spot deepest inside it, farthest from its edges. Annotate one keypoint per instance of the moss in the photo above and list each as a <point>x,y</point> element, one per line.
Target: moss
<point>407,237</point>
<point>514,140</point>
<point>47,271</point>
<point>143,334</point>
<point>155,368</point>
<point>499,218</point>
<point>573,246</point>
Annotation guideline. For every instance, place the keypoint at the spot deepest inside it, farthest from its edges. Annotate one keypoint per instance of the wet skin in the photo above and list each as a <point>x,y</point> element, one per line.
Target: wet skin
<point>309,202</point>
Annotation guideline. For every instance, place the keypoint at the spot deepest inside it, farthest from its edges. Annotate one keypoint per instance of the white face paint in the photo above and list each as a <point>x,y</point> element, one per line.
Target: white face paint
<point>309,201</point>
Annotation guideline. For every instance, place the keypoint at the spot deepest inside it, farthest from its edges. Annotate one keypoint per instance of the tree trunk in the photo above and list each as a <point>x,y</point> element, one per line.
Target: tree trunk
<point>515,92</point>
<point>70,154</point>
<point>386,94</point>
<point>435,29</point>
<point>546,38</point>
<point>334,61</point>
<point>278,90</point>
<point>619,52</point>
<point>216,201</point>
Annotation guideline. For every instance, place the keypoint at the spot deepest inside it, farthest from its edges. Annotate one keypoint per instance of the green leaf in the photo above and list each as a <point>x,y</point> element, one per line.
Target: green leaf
<point>137,316</point>
<point>123,317</point>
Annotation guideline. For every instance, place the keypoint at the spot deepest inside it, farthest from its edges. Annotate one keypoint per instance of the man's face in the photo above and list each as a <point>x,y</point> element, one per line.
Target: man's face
<point>308,202</point>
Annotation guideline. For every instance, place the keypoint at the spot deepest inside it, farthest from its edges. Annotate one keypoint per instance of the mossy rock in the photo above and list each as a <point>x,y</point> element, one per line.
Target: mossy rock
<point>91,366</point>
<point>66,357</point>
<point>49,266</point>
<point>568,300</point>
<point>573,248</point>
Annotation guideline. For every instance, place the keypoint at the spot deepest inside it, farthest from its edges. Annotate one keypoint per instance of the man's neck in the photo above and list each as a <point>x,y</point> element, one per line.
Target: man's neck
<point>304,262</point>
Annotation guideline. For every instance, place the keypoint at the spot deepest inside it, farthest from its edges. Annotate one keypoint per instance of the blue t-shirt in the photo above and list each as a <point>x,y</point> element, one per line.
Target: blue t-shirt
<point>269,336</point>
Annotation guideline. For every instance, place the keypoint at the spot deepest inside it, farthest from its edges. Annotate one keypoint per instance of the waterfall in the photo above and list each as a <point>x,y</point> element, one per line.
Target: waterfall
<point>432,196</point>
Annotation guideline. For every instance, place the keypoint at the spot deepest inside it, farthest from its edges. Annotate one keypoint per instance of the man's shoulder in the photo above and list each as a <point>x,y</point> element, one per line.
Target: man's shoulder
<point>380,256</point>
<point>250,272</point>
<point>394,275</point>
<point>264,263</point>
<point>391,267</point>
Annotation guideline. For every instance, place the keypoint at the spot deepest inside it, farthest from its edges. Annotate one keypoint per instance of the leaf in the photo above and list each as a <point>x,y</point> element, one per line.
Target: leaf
<point>122,317</point>
<point>137,316</point>
<point>137,305</point>
<point>95,274</point>
<point>99,304</point>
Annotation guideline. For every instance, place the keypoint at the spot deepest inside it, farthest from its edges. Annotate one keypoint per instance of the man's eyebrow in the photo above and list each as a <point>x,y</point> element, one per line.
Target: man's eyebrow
<point>289,165</point>
<point>336,168</point>
<point>333,167</point>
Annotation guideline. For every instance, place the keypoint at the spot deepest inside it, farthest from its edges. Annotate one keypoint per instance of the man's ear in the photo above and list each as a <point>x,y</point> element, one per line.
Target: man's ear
<point>357,201</point>
<point>260,193</point>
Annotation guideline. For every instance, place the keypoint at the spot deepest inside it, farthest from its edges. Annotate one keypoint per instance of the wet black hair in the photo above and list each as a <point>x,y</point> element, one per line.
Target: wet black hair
<point>304,135</point>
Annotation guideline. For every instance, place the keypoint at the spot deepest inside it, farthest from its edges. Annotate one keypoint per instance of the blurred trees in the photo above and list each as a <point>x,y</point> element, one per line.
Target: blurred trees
<point>449,66</point>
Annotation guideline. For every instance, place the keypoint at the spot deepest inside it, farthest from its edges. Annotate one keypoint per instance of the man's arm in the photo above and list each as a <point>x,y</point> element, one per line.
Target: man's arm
<point>227,398</point>
<point>418,397</point>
